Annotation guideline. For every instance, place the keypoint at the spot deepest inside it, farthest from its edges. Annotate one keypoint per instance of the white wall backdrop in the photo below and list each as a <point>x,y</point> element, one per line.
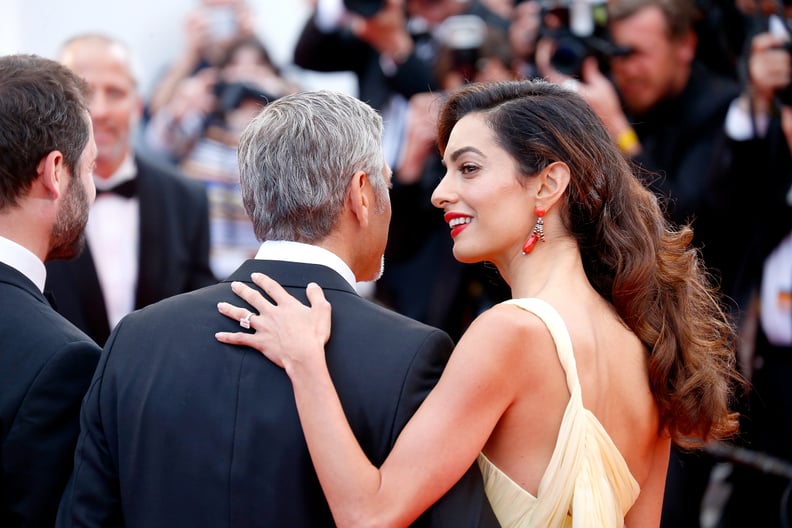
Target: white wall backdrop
<point>153,29</point>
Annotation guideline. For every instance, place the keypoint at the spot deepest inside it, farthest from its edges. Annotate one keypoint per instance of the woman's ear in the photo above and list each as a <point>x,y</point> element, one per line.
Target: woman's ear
<point>553,181</point>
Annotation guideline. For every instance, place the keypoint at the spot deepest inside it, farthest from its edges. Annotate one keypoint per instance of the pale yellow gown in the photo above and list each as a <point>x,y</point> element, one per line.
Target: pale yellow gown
<point>587,483</point>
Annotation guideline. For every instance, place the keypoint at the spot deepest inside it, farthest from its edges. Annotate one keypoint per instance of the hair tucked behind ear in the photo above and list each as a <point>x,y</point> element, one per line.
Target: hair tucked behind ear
<point>634,258</point>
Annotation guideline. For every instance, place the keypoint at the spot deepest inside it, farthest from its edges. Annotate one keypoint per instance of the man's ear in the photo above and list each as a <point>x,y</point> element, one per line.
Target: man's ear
<point>51,175</point>
<point>553,181</point>
<point>359,197</point>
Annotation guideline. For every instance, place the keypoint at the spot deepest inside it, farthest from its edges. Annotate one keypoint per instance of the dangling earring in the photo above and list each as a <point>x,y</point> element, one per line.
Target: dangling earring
<point>538,232</point>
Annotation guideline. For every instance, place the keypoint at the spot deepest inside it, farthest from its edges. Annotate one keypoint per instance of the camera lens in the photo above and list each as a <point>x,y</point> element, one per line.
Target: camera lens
<point>365,8</point>
<point>569,55</point>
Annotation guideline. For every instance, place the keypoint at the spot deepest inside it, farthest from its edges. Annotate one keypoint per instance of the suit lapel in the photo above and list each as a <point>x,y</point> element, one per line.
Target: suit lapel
<point>151,239</point>
<point>84,273</point>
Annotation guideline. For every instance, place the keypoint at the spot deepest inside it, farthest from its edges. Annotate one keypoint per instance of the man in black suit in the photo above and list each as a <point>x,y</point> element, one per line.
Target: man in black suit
<point>46,154</point>
<point>180,429</point>
<point>149,240</point>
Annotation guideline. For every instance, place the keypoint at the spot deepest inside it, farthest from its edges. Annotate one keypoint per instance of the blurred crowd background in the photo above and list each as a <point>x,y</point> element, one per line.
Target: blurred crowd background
<point>152,29</point>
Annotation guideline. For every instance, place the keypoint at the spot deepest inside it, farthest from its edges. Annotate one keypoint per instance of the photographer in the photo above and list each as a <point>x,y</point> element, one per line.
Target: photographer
<point>422,278</point>
<point>212,98</point>
<point>760,123</point>
<point>666,111</point>
<point>209,28</point>
<point>391,46</point>
<point>199,131</point>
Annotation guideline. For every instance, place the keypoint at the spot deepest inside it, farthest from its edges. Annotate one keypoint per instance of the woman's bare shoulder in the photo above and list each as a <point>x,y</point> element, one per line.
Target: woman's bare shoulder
<point>511,333</point>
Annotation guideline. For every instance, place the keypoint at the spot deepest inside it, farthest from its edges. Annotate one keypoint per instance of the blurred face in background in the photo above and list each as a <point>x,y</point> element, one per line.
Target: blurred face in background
<point>115,104</point>
<point>659,65</point>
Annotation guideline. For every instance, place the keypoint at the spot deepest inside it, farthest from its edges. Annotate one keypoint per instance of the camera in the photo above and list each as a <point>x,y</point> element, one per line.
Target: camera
<point>364,8</point>
<point>230,95</point>
<point>462,37</point>
<point>579,29</point>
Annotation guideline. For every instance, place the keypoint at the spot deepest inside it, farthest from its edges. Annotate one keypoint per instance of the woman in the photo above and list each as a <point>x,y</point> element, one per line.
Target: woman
<point>534,185</point>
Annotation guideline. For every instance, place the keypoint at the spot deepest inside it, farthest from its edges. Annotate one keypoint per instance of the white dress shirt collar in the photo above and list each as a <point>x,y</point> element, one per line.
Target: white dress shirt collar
<point>306,254</point>
<point>24,261</point>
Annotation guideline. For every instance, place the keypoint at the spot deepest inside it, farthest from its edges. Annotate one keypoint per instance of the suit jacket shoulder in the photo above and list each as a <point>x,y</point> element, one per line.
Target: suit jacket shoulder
<point>46,365</point>
<point>166,378</point>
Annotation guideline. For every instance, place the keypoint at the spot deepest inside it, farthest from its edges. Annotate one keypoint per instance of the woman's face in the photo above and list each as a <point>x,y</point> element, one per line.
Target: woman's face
<point>488,204</point>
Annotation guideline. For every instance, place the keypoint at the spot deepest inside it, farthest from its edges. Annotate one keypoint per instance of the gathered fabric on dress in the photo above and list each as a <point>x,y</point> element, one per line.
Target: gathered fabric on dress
<point>587,482</point>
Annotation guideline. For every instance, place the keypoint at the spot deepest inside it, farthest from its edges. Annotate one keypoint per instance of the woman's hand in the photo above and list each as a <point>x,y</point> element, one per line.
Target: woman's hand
<point>288,333</point>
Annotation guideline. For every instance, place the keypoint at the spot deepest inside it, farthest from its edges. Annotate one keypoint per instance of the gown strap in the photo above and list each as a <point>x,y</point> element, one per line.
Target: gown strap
<point>558,330</point>
<point>587,476</point>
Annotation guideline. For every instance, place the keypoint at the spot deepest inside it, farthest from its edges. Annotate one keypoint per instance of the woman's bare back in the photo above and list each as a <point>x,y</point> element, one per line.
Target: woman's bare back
<point>611,366</point>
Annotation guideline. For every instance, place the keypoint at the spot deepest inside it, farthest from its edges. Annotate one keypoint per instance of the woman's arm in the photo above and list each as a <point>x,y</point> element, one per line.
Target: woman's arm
<point>435,448</point>
<point>649,506</point>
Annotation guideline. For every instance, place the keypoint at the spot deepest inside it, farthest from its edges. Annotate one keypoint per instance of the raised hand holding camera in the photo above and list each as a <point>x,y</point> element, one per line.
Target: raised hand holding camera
<point>578,29</point>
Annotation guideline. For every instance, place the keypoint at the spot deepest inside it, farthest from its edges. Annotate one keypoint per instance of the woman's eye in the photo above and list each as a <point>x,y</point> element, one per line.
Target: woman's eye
<point>467,168</point>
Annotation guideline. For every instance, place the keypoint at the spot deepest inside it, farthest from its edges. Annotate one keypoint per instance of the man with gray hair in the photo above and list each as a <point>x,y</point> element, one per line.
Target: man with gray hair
<point>182,430</point>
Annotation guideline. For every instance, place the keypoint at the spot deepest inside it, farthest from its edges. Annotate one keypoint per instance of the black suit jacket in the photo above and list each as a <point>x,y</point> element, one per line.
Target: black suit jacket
<point>181,430</point>
<point>46,365</point>
<point>173,253</point>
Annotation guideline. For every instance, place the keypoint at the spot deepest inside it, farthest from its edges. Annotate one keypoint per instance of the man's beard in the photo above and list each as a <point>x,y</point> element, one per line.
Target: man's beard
<point>382,268</point>
<point>68,234</point>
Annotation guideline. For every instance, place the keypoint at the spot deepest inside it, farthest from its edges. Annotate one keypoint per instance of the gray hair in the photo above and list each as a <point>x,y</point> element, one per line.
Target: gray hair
<point>297,158</point>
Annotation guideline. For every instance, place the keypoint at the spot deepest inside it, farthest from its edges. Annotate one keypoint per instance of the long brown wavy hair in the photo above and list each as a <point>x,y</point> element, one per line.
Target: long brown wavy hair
<point>643,265</point>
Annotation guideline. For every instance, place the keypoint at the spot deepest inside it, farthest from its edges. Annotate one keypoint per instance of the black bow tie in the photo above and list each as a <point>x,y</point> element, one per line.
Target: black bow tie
<point>127,189</point>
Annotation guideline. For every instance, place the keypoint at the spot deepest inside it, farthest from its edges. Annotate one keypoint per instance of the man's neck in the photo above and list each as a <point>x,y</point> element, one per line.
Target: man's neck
<point>107,169</point>
<point>21,229</point>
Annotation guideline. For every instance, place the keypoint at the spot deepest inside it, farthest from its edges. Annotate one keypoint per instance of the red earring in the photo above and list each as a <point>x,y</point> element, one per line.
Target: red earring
<point>538,232</point>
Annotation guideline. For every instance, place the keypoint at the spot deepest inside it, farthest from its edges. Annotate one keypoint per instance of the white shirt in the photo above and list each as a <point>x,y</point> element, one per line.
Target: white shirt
<point>775,315</point>
<point>113,237</point>
<point>24,261</point>
<point>305,253</point>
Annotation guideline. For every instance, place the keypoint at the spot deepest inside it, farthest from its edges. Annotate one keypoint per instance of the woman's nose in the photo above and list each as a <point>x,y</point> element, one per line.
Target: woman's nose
<point>440,196</point>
